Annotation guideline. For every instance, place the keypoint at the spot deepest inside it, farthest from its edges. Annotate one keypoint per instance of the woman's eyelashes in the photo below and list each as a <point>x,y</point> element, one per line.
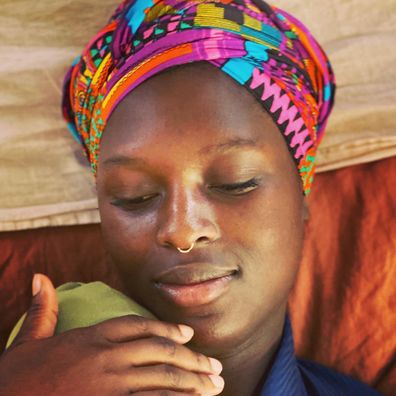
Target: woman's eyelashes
<point>133,203</point>
<point>230,189</point>
<point>238,188</point>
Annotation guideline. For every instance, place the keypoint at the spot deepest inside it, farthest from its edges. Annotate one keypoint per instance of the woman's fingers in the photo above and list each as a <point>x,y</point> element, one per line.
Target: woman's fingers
<point>42,315</point>
<point>132,327</point>
<point>154,350</point>
<point>150,357</point>
<point>167,377</point>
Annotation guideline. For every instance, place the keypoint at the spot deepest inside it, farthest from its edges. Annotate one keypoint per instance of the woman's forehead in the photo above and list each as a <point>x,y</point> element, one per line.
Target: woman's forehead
<point>194,98</point>
<point>191,87</point>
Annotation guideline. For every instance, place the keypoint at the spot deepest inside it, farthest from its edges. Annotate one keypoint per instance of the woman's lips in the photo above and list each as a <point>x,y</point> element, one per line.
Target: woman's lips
<point>195,294</point>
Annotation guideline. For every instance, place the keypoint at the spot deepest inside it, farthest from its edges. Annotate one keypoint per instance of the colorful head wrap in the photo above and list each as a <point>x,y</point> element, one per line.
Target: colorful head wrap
<point>263,48</point>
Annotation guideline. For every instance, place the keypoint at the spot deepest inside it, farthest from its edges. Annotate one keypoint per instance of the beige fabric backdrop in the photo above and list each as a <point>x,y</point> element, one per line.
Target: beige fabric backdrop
<point>43,179</point>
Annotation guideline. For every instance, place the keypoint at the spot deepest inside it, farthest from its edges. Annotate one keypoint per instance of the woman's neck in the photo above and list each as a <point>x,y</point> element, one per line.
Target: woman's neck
<point>246,370</point>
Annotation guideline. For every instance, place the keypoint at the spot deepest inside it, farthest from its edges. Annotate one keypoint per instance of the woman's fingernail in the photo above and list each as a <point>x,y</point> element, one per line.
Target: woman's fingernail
<point>218,382</point>
<point>36,284</point>
<point>216,365</point>
<point>187,332</point>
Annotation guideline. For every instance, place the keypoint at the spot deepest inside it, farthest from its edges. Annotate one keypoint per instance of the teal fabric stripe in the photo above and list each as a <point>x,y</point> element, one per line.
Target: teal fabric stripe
<point>327,92</point>
<point>135,14</point>
<point>256,51</point>
<point>239,69</point>
<point>268,34</point>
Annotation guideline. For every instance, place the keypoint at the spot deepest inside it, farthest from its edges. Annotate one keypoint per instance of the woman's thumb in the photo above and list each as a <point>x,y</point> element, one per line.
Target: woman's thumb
<point>41,317</point>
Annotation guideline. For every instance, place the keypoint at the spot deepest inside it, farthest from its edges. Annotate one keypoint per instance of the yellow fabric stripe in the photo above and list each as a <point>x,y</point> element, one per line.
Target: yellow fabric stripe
<point>209,10</point>
<point>221,24</point>
<point>100,69</point>
<point>252,23</point>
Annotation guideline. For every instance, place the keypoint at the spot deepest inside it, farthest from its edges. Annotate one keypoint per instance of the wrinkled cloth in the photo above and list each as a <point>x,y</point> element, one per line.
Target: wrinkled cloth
<point>262,47</point>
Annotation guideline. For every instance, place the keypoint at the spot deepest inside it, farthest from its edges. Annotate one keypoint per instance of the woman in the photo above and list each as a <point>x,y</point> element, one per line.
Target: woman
<point>201,120</point>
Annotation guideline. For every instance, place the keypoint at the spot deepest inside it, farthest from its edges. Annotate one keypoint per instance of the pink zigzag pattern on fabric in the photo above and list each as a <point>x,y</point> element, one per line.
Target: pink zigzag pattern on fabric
<point>287,113</point>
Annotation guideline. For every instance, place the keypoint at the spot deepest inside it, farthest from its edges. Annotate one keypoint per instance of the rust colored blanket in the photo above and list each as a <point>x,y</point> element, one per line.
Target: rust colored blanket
<point>344,303</point>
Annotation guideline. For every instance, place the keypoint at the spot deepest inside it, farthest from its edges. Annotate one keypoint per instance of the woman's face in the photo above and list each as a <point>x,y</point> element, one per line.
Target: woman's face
<point>172,156</point>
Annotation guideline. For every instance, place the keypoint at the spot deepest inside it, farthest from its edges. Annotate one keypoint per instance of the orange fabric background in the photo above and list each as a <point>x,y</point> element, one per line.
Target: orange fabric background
<point>343,306</point>
<point>344,302</point>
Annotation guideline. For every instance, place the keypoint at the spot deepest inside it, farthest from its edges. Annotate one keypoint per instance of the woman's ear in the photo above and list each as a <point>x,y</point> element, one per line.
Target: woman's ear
<point>306,213</point>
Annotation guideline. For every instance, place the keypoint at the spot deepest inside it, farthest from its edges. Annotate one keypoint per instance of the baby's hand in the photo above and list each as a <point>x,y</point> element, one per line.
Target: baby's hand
<point>120,356</point>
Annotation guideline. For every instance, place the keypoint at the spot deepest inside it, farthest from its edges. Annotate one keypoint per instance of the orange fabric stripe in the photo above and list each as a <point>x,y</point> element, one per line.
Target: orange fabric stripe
<point>122,86</point>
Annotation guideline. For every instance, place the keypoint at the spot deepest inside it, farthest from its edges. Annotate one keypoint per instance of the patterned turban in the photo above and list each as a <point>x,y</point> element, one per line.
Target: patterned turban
<point>263,48</point>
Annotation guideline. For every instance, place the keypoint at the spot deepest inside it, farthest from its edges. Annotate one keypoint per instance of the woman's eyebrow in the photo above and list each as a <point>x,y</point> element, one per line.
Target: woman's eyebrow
<point>214,148</point>
<point>228,145</point>
<point>124,160</point>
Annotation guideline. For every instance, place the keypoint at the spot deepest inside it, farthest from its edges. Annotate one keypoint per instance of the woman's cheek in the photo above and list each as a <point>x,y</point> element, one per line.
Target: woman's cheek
<point>275,231</point>
<point>123,232</point>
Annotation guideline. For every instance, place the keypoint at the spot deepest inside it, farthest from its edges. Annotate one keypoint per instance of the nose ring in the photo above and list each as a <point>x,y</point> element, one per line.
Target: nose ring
<point>186,250</point>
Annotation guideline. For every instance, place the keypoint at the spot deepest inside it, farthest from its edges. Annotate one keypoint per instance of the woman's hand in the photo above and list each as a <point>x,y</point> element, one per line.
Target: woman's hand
<point>122,356</point>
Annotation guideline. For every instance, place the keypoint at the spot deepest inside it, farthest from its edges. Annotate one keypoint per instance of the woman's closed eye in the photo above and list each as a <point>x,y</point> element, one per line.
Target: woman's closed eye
<point>238,188</point>
<point>233,189</point>
<point>130,202</point>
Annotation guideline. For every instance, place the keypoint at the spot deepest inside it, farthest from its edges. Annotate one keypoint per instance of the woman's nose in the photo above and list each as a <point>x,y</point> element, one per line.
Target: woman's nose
<point>187,218</point>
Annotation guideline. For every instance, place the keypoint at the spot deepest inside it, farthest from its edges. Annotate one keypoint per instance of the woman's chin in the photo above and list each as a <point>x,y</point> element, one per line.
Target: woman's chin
<point>214,335</point>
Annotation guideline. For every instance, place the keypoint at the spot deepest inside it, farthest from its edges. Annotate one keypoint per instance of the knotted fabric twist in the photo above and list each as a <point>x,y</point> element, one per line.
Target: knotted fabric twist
<point>269,52</point>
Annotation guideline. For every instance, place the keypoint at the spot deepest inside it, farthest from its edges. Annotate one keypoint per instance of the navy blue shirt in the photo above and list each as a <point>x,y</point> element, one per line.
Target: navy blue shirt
<point>290,376</point>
